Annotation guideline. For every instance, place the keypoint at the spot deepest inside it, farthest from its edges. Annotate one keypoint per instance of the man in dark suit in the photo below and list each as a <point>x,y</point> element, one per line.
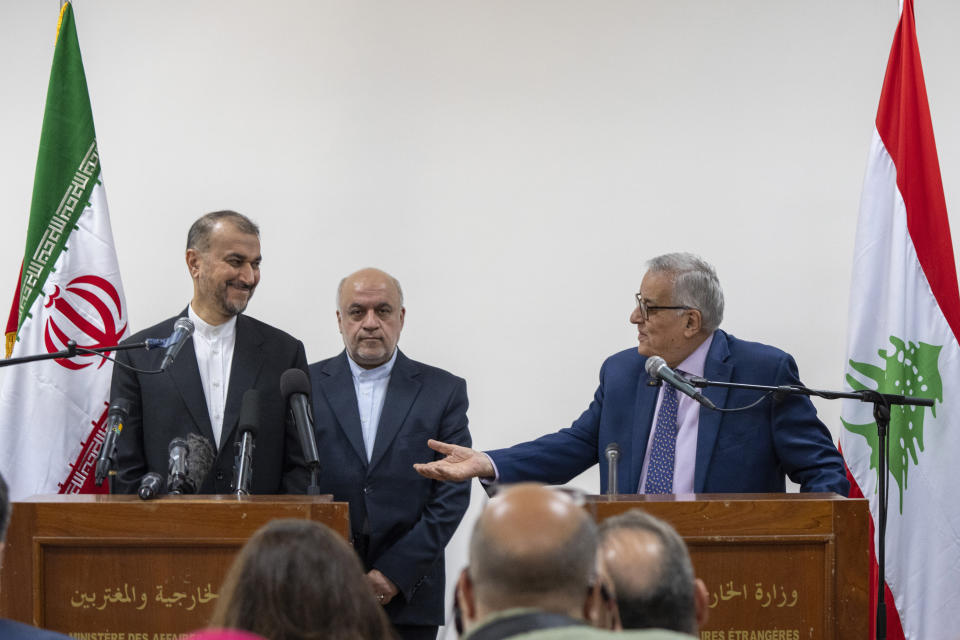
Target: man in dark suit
<point>374,411</point>
<point>668,443</point>
<point>201,392</point>
<point>10,630</point>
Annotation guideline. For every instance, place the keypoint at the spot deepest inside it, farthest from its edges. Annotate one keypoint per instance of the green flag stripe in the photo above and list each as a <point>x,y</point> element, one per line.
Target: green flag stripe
<point>68,164</point>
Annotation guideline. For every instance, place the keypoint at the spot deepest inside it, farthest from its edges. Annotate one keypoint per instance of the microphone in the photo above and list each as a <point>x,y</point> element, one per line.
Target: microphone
<point>657,368</point>
<point>151,485</point>
<point>199,462</point>
<point>248,426</point>
<point>295,387</point>
<point>612,453</point>
<point>177,473</point>
<point>116,416</point>
<point>182,330</point>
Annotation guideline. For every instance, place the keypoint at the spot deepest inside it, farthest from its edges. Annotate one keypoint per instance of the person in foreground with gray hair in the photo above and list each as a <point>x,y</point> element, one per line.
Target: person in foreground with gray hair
<point>533,572</point>
<point>648,563</point>
<point>670,443</point>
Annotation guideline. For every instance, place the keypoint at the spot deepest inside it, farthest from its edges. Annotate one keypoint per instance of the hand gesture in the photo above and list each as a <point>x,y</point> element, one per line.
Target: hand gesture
<point>460,463</point>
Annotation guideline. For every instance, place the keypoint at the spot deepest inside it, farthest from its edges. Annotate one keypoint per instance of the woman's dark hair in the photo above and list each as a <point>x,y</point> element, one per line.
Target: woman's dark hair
<point>298,580</point>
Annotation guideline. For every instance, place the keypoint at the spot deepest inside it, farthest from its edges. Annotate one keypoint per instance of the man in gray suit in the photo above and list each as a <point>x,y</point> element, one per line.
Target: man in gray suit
<point>374,411</point>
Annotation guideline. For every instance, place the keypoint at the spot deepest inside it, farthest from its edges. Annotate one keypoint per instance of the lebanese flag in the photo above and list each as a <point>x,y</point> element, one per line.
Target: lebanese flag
<point>53,412</point>
<point>904,323</point>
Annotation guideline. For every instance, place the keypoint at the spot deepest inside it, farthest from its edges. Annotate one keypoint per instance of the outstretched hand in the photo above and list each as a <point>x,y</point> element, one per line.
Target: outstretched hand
<point>459,463</point>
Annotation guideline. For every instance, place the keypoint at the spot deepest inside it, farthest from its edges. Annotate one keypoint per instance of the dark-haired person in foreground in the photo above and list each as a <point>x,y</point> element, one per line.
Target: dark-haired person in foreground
<point>10,630</point>
<point>648,563</point>
<point>298,580</point>
<point>533,572</point>
<point>228,354</point>
<point>668,443</point>
<point>375,409</point>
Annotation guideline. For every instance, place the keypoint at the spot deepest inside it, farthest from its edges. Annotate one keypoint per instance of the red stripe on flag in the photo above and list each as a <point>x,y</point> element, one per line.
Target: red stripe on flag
<point>14,318</point>
<point>904,125</point>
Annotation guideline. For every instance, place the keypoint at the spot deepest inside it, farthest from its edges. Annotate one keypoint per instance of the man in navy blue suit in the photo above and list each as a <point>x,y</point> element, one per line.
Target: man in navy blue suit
<point>10,630</point>
<point>669,443</point>
<point>375,410</point>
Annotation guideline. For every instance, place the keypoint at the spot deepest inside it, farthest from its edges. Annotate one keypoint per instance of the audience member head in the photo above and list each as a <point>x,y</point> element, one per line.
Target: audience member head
<point>531,547</point>
<point>647,561</point>
<point>680,303</point>
<point>223,257</point>
<point>298,580</point>
<point>370,316</point>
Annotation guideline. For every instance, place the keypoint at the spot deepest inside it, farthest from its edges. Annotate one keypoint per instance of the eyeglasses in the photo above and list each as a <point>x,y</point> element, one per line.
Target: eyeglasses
<point>645,308</point>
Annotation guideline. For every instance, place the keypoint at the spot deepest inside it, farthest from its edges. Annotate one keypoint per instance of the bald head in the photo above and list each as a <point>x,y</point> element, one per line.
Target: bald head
<point>532,547</point>
<point>372,277</point>
<point>370,316</point>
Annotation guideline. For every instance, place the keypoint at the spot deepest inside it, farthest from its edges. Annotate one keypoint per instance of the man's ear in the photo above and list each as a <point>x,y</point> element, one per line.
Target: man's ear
<point>600,608</point>
<point>193,260</point>
<point>466,598</point>
<point>694,322</point>
<point>701,602</point>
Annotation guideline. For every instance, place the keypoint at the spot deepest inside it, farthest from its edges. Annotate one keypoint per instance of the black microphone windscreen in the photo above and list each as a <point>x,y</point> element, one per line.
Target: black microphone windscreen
<point>200,460</point>
<point>653,365</point>
<point>250,412</point>
<point>294,381</point>
<point>178,442</point>
<point>184,324</point>
<point>120,408</point>
<point>151,485</point>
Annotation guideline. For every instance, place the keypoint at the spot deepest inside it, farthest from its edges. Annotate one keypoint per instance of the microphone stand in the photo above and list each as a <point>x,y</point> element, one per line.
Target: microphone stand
<point>881,413</point>
<point>314,488</point>
<point>72,351</point>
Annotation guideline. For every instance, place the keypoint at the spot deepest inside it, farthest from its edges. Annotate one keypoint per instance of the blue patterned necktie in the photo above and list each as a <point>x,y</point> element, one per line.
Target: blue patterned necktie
<point>663,451</point>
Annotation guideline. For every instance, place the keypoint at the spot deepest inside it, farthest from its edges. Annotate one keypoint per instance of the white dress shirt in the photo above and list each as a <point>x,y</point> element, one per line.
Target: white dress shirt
<point>688,425</point>
<point>214,348</point>
<point>371,388</point>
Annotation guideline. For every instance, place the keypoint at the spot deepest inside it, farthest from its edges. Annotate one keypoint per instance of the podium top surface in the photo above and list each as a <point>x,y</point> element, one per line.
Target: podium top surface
<point>89,498</point>
<point>718,497</point>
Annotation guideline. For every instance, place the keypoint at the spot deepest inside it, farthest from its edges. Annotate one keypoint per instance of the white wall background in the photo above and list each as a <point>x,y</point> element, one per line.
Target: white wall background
<point>513,163</point>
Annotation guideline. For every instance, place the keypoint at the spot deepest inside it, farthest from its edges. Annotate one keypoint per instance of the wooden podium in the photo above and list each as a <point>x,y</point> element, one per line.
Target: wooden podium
<point>135,570</point>
<point>776,566</point>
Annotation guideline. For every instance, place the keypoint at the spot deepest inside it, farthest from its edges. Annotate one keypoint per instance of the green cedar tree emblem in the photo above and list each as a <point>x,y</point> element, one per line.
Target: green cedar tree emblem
<point>911,370</point>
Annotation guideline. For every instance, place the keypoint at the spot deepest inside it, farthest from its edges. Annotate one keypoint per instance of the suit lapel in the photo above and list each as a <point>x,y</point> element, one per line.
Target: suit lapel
<point>336,382</point>
<point>642,423</point>
<point>244,370</point>
<point>401,391</point>
<point>715,368</point>
<point>185,373</point>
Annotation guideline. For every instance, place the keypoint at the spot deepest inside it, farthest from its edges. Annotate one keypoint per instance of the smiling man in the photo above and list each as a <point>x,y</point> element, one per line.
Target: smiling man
<point>375,410</point>
<point>669,443</point>
<point>201,391</point>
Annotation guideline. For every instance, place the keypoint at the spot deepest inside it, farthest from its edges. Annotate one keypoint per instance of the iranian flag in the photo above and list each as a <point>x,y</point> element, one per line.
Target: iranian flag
<point>904,324</point>
<point>52,413</point>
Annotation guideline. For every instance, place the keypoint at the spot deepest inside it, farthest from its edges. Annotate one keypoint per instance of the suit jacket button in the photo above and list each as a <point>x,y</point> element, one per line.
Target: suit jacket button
<point>367,490</point>
<point>219,475</point>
